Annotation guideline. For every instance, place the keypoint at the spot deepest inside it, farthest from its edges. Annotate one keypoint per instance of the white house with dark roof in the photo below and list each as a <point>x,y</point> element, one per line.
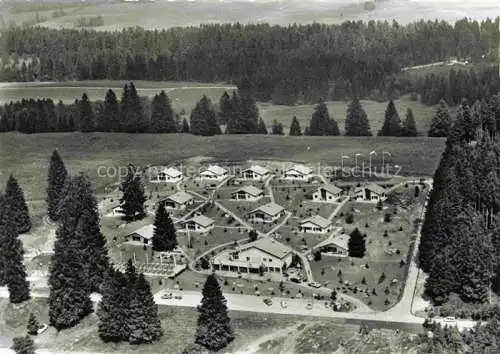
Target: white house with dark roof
<point>200,223</point>
<point>267,213</point>
<point>255,173</point>
<point>334,246</point>
<point>248,193</point>
<point>316,225</point>
<point>167,174</point>
<point>143,235</point>
<point>370,193</point>
<point>298,173</point>
<point>214,173</point>
<point>327,193</point>
<point>179,201</point>
<point>265,253</point>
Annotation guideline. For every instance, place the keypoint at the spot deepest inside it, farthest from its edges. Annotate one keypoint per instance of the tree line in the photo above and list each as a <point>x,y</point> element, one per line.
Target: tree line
<point>296,63</point>
<point>460,245</point>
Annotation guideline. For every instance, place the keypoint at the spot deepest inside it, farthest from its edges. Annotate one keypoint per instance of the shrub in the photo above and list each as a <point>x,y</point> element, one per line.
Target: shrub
<point>366,225</point>
<point>23,345</point>
<point>401,228</point>
<point>387,302</point>
<point>33,325</point>
<point>349,219</point>
<point>386,233</point>
<point>386,290</point>
<point>387,217</point>
<point>363,281</point>
<point>402,263</point>
<point>382,278</point>
<point>390,243</point>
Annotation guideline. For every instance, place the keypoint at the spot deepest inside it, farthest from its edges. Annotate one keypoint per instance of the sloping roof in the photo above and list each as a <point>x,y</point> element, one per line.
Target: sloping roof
<point>318,220</point>
<point>202,220</point>
<point>180,197</point>
<point>331,188</point>
<point>341,240</point>
<point>216,170</point>
<point>375,188</point>
<point>257,169</point>
<point>254,191</point>
<point>268,245</point>
<point>172,172</point>
<point>145,231</point>
<point>299,168</point>
<point>271,209</point>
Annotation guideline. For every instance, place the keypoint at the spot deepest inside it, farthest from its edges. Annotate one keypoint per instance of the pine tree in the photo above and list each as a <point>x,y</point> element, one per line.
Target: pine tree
<point>164,237</point>
<point>277,128</point>
<point>185,126</point>
<point>356,123</point>
<point>111,113</point>
<point>132,201</point>
<point>262,128</point>
<point>14,273</point>
<point>295,127</point>
<point>162,115</point>
<point>225,108</point>
<point>356,244</point>
<point>441,122</point>
<point>213,331</point>
<point>321,124</point>
<point>409,126</point>
<point>56,178</point>
<point>203,119</point>
<point>14,197</point>
<point>86,114</point>
<point>113,311</point>
<point>143,321</point>
<point>33,325</point>
<point>392,122</point>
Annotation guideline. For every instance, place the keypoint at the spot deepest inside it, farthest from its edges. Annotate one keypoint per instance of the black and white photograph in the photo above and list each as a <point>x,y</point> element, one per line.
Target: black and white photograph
<point>249,176</point>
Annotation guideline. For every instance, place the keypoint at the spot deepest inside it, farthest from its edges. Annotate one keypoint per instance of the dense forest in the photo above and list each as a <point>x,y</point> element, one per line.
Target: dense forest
<point>298,63</point>
<point>460,246</point>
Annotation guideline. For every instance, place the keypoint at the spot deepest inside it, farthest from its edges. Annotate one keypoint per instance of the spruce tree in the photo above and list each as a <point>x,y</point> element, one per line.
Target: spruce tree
<point>133,120</point>
<point>203,119</point>
<point>356,244</point>
<point>235,124</point>
<point>4,217</point>
<point>86,114</point>
<point>185,126</point>
<point>23,345</point>
<point>441,122</point>
<point>33,325</point>
<point>321,124</point>
<point>225,108</point>
<point>409,126</point>
<point>262,128</point>
<point>111,113</point>
<point>14,198</point>
<point>277,128</point>
<point>213,331</point>
<point>164,237</point>
<point>56,178</point>
<point>356,123</point>
<point>162,115</point>
<point>143,321</point>
<point>295,127</point>
<point>392,122</point>
<point>14,273</point>
<point>132,201</point>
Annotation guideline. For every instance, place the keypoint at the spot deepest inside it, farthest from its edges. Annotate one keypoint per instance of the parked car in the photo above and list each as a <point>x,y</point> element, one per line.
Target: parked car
<point>283,304</point>
<point>309,306</point>
<point>166,296</point>
<point>268,301</point>
<point>295,280</point>
<point>178,297</point>
<point>42,328</point>
<point>314,284</point>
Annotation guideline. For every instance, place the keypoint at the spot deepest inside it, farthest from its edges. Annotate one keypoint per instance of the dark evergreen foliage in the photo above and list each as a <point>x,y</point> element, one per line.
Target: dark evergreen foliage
<point>133,198</point>
<point>356,123</point>
<point>392,122</point>
<point>110,118</point>
<point>86,114</point>
<point>185,126</point>
<point>14,198</point>
<point>261,128</point>
<point>56,179</point>
<point>162,115</point>
<point>441,122</point>
<point>321,124</point>
<point>164,236</point>
<point>213,331</point>
<point>33,325</point>
<point>295,129</point>
<point>203,119</point>
<point>356,244</point>
<point>409,125</point>
<point>277,128</point>
<point>23,345</point>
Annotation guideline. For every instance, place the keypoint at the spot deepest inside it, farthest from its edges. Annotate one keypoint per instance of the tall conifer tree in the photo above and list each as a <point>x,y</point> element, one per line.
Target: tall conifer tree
<point>356,123</point>
<point>409,126</point>
<point>164,236</point>
<point>14,197</point>
<point>392,122</point>
<point>56,179</point>
<point>295,127</point>
<point>441,122</point>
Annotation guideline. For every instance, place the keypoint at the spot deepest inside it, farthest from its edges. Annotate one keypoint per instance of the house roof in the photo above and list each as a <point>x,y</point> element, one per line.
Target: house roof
<point>271,209</point>
<point>375,188</point>
<point>270,246</point>
<point>254,191</point>
<point>331,188</point>
<point>202,220</point>
<point>216,170</point>
<point>180,197</point>
<point>299,168</point>
<point>341,240</point>
<point>145,231</point>
<point>172,172</point>
<point>257,169</point>
<point>318,220</point>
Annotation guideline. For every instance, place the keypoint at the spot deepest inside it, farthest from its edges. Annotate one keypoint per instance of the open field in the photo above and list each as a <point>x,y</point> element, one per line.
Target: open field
<point>27,156</point>
<point>184,13</point>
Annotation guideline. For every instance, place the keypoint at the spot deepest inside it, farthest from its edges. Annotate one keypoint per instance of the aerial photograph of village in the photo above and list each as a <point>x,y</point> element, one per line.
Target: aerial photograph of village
<point>249,176</point>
